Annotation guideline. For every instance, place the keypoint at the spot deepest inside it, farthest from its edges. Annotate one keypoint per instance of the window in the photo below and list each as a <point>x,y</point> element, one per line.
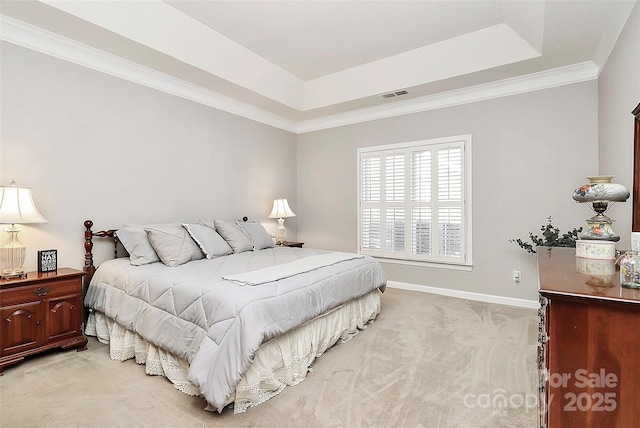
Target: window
<point>415,201</point>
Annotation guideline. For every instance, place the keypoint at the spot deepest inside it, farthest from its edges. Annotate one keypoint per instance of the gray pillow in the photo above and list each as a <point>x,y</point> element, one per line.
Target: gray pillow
<point>257,234</point>
<point>173,245</point>
<point>233,234</point>
<point>211,244</point>
<point>135,241</point>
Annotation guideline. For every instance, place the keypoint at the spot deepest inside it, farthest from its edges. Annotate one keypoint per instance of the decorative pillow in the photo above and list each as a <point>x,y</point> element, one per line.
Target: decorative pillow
<point>134,239</point>
<point>211,244</point>
<point>233,234</point>
<point>173,245</point>
<point>257,234</point>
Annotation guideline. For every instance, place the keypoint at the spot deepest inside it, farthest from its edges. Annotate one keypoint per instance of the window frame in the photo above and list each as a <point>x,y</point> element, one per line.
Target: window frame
<point>432,260</point>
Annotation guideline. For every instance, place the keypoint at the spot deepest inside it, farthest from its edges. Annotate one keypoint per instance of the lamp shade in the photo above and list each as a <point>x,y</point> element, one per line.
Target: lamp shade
<point>17,207</point>
<point>281,209</point>
<point>601,189</point>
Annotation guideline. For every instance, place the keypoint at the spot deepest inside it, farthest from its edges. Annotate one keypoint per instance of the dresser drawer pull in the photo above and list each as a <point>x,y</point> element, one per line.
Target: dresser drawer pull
<point>41,291</point>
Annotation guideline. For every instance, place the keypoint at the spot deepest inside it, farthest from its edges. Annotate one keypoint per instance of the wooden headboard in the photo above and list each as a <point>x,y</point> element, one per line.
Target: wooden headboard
<point>89,267</point>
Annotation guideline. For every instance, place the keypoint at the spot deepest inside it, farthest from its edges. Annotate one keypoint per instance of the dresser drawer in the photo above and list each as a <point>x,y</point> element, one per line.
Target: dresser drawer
<point>44,290</point>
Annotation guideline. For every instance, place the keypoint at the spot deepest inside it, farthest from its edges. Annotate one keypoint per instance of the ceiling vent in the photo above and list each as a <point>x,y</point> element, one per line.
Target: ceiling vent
<point>395,94</point>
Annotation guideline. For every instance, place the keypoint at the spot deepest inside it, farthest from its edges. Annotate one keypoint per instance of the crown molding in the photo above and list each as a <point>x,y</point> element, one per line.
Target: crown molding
<point>43,41</point>
<point>533,82</point>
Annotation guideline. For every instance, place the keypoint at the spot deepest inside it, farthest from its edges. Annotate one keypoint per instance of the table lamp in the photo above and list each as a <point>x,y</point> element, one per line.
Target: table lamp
<point>16,207</point>
<point>281,211</point>
<point>599,193</point>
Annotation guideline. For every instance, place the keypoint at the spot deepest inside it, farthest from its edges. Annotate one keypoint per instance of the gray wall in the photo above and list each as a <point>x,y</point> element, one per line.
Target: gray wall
<point>618,95</point>
<point>92,146</point>
<point>530,152</point>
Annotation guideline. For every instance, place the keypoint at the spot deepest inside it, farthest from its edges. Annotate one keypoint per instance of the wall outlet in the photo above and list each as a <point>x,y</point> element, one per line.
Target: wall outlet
<point>516,276</point>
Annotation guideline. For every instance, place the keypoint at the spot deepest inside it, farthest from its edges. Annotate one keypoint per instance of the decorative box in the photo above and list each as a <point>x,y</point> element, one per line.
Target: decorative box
<point>596,249</point>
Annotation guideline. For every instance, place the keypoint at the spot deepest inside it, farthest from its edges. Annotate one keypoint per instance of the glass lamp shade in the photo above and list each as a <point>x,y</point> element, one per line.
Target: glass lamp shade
<point>16,207</point>
<point>281,210</point>
<point>601,189</point>
<point>599,192</point>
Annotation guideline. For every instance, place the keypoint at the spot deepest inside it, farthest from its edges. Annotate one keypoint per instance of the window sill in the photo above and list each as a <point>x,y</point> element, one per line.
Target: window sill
<point>434,265</point>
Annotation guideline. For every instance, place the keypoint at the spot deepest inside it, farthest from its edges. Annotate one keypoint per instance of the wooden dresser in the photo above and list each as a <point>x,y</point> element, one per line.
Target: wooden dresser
<point>589,345</point>
<point>41,312</point>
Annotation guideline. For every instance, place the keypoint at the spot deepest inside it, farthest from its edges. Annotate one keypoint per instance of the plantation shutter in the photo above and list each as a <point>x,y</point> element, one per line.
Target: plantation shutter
<point>371,197</point>
<point>394,189</point>
<point>420,222</point>
<point>450,202</point>
<point>413,202</point>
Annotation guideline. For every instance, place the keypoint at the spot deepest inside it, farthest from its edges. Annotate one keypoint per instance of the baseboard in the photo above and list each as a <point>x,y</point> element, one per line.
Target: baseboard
<point>489,298</point>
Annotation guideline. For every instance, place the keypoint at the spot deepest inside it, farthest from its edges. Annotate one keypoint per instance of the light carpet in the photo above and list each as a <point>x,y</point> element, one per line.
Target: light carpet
<point>427,361</point>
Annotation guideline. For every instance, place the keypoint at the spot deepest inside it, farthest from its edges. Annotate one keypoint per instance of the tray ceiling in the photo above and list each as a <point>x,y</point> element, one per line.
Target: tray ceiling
<point>306,61</point>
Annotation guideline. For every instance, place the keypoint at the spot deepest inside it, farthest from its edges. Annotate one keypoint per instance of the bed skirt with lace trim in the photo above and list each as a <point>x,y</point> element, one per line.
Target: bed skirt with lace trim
<point>281,362</point>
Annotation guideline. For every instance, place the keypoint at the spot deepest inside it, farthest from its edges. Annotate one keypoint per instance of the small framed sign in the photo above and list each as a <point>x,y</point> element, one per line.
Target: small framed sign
<point>47,260</point>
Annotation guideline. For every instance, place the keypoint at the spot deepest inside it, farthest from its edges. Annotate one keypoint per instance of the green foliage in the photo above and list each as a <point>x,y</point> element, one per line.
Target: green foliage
<point>550,238</point>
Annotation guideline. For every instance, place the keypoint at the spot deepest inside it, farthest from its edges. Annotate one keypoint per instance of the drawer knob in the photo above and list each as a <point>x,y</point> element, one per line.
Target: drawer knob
<point>41,291</point>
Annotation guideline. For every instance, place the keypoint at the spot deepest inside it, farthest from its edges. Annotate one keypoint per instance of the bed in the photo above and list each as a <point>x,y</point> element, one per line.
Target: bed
<point>221,311</point>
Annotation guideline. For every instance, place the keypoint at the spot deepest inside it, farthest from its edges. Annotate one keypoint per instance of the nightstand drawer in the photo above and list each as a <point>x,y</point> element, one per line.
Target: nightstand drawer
<point>36,292</point>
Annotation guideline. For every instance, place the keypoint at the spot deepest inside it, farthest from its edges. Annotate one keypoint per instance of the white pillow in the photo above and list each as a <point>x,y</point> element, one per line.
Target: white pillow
<point>135,241</point>
<point>233,234</point>
<point>173,245</point>
<point>257,234</point>
<point>211,244</point>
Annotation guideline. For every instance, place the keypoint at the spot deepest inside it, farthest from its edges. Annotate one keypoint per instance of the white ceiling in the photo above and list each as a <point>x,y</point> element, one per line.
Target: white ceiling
<point>305,61</point>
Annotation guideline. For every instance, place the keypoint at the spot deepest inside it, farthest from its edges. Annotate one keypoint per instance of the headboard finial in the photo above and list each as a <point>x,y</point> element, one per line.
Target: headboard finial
<point>88,247</point>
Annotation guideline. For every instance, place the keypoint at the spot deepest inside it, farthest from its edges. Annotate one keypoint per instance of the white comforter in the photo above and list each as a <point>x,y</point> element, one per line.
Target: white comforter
<point>215,324</point>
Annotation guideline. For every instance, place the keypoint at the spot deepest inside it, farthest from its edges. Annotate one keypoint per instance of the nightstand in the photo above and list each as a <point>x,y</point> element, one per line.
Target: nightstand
<point>291,244</point>
<point>40,312</point>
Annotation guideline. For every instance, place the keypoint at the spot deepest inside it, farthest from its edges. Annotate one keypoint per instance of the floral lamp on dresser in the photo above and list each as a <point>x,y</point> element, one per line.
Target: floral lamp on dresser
<point>600,193</point>
<point>589,315</point>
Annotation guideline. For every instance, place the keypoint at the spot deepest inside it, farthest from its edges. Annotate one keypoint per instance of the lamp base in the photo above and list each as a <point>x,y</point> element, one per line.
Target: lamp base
<point>281,232</point>
<point>589,236</point>
<point>599,229</point>
<point>13,275</point>
<point>12,256</point>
